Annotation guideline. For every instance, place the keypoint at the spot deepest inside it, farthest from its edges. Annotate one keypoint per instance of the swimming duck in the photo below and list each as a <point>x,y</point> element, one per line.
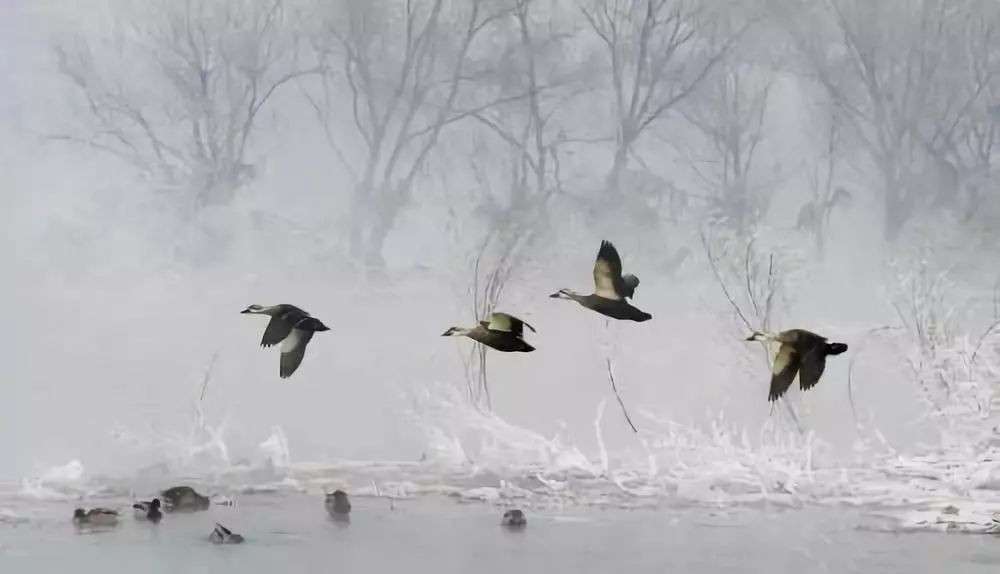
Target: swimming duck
<point>290,326</point>
<point>337,504</point>
<point>502,332</point>
<point>801,352</point>
<point>223,535</point>
<point>514,518</point>
<point>611,288</point>
<point>184,498</point>
<point>149,510</point>
<point>95,517</point>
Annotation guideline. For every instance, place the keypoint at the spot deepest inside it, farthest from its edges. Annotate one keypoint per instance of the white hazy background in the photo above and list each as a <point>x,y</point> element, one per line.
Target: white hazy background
<point>122,284</point>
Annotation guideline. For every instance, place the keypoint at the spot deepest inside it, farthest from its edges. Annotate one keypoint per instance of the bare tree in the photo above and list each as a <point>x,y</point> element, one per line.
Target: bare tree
<point>528,121</point>
<point>524,121</point>
<point>729,114</point>
<point>403,68</point>
<point>905,82</point>
<point>814,215</point>
<point>180,97</point>
<point>962,144</point>
<point>658,57</point>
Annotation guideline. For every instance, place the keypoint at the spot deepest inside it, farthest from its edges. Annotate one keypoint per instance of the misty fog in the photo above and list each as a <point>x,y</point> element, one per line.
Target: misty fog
<point>398,168</point>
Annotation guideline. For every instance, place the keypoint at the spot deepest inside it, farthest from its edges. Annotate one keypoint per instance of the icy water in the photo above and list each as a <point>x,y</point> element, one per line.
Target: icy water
<point>291,532</point>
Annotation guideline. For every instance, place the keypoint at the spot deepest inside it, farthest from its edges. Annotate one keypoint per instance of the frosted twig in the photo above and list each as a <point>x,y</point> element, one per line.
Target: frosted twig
<point>208,375</point>
<point>766,318</point>
<point>979,344</point>
<point>611,377</point>
<point>749,277</point>
<point>722,284</point>
<point>771,290</point>
<point>483,377</point>
<point>601,449</point>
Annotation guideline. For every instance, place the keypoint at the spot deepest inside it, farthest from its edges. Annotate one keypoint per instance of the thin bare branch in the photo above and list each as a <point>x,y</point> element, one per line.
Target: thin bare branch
<point>621,403</point>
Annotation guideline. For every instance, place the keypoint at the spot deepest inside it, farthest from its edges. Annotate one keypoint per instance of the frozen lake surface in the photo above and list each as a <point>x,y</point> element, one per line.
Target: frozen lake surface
<point>290,532</point>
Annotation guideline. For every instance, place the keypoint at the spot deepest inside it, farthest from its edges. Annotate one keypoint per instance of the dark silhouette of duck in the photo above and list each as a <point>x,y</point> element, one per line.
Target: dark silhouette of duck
<point>184,498</point>
<point>223,535</point>
<point>514,519</point>
<point>150,510</point>
<point>502,332</point>
<point>338,505</point>
<point>95,517</point>
<point>801,352</point>
<point>290,326</point>
<point>611,288</point>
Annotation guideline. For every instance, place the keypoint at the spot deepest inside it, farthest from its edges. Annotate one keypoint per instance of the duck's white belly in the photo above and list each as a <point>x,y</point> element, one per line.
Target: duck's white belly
<point>291,341</point>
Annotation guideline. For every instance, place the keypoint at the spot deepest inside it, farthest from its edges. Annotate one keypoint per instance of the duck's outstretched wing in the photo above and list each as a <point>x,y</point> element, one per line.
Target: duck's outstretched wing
<point>277,330</point>
<point>293,349</point>
<point>786,365</point>
<point>281,324</point>
<point>222,529</point>
<point>813,365</point>
<point>507,323</point>
<point>608,281</point>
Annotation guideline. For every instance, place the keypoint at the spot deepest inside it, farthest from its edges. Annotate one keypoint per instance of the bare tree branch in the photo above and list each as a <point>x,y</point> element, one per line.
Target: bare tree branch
<point>614,388</point>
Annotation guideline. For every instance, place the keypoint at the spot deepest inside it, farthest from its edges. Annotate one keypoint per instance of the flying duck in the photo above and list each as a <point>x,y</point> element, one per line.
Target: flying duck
<point>514,518</point>
<point>95,517</point>
<point>338,505</point>
<point>611,288</point>
<point>801,352</point>
<point>502,332</point>
<point>290,326</point>
<point>184,498</point>
<point>149,510</point>
<point>223,535</point>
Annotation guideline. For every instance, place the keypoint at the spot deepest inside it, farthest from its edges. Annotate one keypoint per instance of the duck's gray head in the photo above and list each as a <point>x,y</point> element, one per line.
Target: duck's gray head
<point>253,309</point>
<point>79,513</point>
<point>337,495</point>
<point>631,282</point>
<point>563,294</point>
<point>155,503</point>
